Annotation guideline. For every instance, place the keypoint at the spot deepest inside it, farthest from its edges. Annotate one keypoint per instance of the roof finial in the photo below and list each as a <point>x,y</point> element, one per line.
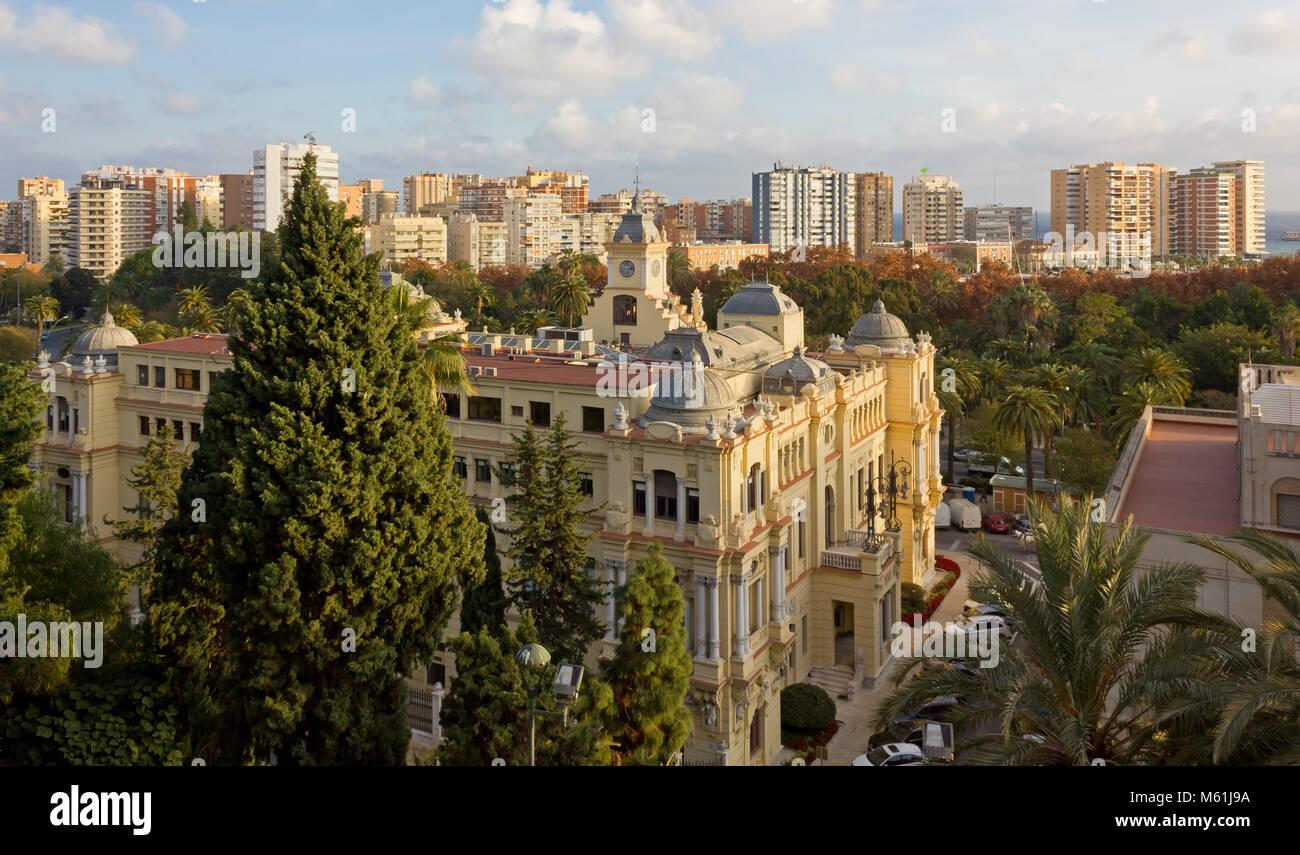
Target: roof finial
<point>636,180</point>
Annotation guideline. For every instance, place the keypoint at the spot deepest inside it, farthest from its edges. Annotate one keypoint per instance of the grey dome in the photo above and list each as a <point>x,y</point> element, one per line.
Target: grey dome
<point>794,372</point>
<point>102,340</point>
<point>759,298</point>
<point>880,328</point>
<point>691,398</point>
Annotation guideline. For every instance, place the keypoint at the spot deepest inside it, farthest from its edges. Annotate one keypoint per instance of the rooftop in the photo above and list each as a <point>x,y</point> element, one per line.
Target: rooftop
<point>532,369</point>
<point>208,344</point>
<point>1279,404</point>
<point>1186,478</point>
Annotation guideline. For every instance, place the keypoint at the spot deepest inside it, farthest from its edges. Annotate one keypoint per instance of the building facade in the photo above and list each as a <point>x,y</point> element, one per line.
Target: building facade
<point>1130,203</point>
<point>1003,223</point>
<point>1249,214</point>
<point>275,169</point>
<point>427,188</point>
<point>405,238</point>
<point>108,221</point>
<point>44,222</point>
<point>1203,203</point>
<point>875,211</point>
<point>725,256</point>
<point>480,244</point>
<point>804,206</point>
<point>932,210</point>
<point>237,201</point>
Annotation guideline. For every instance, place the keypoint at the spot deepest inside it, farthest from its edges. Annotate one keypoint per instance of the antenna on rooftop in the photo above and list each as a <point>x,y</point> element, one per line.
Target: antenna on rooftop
<point>636,180</point>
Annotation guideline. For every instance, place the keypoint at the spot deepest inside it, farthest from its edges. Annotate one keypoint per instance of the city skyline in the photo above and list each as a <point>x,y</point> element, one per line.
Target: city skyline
<point>197,87</point>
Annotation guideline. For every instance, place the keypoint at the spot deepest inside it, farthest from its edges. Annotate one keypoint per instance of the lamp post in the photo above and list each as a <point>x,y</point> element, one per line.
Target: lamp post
<point>889,486</point>
<point>534,658</point>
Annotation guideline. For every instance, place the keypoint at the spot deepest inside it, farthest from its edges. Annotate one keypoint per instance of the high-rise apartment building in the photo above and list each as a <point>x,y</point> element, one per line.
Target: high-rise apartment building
<point>875,210</point>
<point>351,195</point>
<point>571,187</point>
<point>999,223</point>
<point>44,225</point>
<point>207,200</point>
<point>403,238</point>
<point>108,221</point>
<point>11,225</point>
<point>427,188</point>
<point>40,186</point>
<point>932,210</point>
<point>237,201</point>
<point>377,204</point>
<point>1129,203</point>
<point>168,189</point>
<point>1250,204</point>
<point>1204,209</point>
<point>476,242</point>
<point>804,206</point>
<point>275,169</point>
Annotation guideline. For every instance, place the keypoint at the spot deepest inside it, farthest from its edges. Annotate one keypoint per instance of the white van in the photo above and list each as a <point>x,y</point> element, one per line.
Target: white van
<point>964,514</point>
<point>942,516</point>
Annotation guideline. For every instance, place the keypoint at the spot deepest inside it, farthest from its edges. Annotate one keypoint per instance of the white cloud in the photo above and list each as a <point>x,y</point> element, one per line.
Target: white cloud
<point>170,27</point>
<point>674,28</point>
<point>547,50</point>
<point>1190,47</point>
<point>54,33</point>
<point>176,102</point>
<point>423,93</point>
<point>762,21</point>
<point>697,95</point>
<point>1268,32</point>
<point>855,75</point>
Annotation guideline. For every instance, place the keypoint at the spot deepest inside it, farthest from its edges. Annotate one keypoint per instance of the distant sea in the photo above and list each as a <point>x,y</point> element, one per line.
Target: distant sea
<point>1276,224</point>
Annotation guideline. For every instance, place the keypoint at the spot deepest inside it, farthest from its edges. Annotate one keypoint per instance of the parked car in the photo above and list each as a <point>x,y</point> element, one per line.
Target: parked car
<point>996,523</point>
<point>951,664</point>
<point>979,626</point>
<point>1021,524</point>
<point>939,708</point>
<point>964,514</point>
<point>963,454</point>
<point>892,754</point>
<point>974,609</point>
<point>979,466</point>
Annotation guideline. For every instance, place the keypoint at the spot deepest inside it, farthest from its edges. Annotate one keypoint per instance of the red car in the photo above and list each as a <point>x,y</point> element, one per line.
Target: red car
<point>996,524</point>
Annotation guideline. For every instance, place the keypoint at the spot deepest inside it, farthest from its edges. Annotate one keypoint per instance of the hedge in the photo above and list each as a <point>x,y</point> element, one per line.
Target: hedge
<point>805,706</point>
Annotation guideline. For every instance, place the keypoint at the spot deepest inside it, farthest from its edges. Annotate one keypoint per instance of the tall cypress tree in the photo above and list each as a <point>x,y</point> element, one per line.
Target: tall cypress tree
<point>484,605</point>
<point>548,578</point>
<point>651,671</point>
<point>156,479</point>
<point>20,404</point>
<point>321,535</point>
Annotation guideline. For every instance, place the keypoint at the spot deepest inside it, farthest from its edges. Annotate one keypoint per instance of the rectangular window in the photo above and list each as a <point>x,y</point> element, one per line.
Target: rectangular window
<point>802,528</point>
<point>756,732</point>
<point>451,405</point>
<point>862,490</point>
<point>160,376</point>
<point>178,430</point>
<point>588,485</point>
<point>506,474</point>
<point>212,376</point>
<point>142,375</point>
<point>187,378</point>
<point>692,505</point>
<point>485,409</point>
<point>459,468</point>
<point>540,413</point>
<point>593,419</point>
<point>803,634</point>
<point>195,431</point>
<point>517,412</point>
<point>159,424</point>
<point>144,426</point>
<point>886,616</point>
<point>482,471</point>
<point>638,498</point>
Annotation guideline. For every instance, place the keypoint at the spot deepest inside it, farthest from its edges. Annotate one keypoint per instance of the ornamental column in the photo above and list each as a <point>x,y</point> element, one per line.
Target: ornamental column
<point>713,620</point>
<point>622,580</point>
<point>701,615</point>
<point>609,600</point>
<point>649,507</point>
<point>681,508</point>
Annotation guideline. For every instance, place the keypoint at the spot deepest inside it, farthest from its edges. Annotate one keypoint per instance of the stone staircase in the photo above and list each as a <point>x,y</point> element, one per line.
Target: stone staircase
<point>837,680</point>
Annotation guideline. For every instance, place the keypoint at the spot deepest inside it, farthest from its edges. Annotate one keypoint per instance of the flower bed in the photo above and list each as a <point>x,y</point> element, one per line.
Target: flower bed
<point>952,571</point>
<point>806,746</point>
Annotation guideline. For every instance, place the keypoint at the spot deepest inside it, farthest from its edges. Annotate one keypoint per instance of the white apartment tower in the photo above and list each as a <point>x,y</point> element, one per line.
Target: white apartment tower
<point>932,210</point>
<point>276,167</point>
<point>1250,204</point>
<point>804,206</point>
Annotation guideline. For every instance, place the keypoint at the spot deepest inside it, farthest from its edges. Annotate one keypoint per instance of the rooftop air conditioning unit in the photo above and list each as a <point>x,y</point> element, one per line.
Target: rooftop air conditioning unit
<point>489,349</point>
<point>489,372</point>
<point>473,370</point>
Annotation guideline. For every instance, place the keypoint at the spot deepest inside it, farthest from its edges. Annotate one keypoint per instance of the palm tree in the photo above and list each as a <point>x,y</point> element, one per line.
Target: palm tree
<point>1287,318</point>
<point>994,376</point>
<point>41,310</point>
<point>192,299</point>
<point>202,320</point>
<point>1095,647</point>
<point>483,295</point>
<point>106,291</point>
<point>1029,412</point>
<point>443,363</point>
<point>235,301</point>
<point>1249,695</point>
<point>1128,406</point>
<point>1163,369</point>
<point>1012,351</point>
<point>1099,358</point>
<point>964,394</point>
<point>1053,377</point>
<point>126,315</point>
<point>530,319</point>
<point>941,297</point>
<point>679,270</point>
<point>571,296</point>
<point>1087,395</point>
<point>151,331</point>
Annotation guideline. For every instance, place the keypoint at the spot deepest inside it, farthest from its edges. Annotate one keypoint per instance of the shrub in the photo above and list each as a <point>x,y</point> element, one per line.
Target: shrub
<point>913,598</point>
<point>806,707</point>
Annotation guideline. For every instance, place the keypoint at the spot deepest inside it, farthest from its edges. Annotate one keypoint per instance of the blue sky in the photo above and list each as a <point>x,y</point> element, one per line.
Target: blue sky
<point>494,87</point>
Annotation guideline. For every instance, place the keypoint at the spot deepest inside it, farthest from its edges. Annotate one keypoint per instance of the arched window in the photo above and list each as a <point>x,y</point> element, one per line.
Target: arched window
<point>625,310</point>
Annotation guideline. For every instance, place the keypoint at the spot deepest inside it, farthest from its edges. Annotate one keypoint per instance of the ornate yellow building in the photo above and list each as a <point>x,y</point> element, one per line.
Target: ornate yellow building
<point>753,462</point>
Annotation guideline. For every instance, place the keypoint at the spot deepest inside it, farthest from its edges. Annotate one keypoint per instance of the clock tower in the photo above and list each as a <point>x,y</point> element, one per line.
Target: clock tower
<point>636,308</point>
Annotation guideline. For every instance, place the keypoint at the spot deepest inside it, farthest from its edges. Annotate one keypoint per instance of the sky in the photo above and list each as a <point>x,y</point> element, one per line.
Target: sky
<point>699,93</point>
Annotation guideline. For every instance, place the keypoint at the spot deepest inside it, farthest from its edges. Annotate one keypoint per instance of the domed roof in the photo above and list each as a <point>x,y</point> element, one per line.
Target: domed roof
<point>794,372</point>
<point>689,397</point>
<point>102,340</point>
<point>880,328</point>
<point>636,226</point>
<point>759,298</point>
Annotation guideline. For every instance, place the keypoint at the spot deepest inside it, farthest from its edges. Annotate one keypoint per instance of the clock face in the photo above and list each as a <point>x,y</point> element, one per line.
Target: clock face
<point>655,267</point>
<point>627,268</point>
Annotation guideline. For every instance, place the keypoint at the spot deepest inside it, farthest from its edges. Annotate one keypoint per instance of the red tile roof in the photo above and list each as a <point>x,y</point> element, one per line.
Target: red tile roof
<point>528,369</point>
<point>1187,479</point>
<point>209,344</point>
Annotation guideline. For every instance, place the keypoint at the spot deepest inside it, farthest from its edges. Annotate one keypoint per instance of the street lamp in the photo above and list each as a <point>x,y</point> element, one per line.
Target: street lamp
<point>534,659</point>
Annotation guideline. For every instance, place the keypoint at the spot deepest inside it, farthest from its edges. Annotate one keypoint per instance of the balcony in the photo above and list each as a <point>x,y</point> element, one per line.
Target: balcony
<point>860,552</point>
